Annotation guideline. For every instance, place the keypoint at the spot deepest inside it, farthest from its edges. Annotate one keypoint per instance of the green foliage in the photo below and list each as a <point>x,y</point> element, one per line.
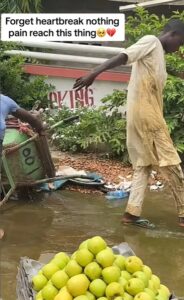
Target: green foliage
<point>143,23</point>
<point>20,6</point>
<point>106,126</point>
<point>175,62</point>
<point>17,84</point>
<point>174,110</point>
<point>113,101</point>
<point>94,128</point>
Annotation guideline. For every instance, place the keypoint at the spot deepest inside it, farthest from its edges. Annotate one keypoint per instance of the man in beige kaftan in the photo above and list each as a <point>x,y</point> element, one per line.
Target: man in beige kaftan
<point>148,140</point>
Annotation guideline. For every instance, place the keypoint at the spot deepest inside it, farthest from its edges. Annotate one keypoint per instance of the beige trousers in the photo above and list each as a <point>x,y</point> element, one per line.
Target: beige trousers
<point>175,179</point>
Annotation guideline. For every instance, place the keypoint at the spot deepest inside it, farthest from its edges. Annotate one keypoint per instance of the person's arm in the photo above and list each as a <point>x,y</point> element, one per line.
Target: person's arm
<point>27,117</point>
<point>137,51</point>
<point>113,62</point>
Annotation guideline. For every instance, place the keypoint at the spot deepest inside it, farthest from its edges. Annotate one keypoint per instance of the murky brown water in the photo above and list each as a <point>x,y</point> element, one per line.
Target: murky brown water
<point>61,220</point>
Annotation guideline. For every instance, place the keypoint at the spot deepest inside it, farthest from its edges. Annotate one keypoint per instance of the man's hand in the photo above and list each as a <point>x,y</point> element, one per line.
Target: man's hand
<point>118,60</point>
<point>27,117</point>
<point>42,131</point>
<point>84,81</point>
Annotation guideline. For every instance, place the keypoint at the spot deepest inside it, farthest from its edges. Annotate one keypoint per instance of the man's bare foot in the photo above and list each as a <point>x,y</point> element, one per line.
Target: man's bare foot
<point>1,233</point>
<point>181,221</point>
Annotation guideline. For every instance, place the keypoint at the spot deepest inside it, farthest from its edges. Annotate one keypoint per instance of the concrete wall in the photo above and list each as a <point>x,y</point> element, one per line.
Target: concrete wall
<point>64,78</point>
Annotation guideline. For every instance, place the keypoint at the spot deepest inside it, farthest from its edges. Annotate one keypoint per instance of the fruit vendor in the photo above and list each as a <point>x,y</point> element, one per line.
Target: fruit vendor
<point>148,140</point>
<point>9,106</point>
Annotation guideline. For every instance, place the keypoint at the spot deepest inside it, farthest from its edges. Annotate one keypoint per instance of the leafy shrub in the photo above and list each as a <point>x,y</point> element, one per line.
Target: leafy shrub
<point>174,110</point>
<point>19,85</point>
<point>143,23</point>
<point>94,128</point>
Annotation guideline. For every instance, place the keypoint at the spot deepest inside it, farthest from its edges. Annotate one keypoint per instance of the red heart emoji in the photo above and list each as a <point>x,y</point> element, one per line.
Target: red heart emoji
<point>111,31</point>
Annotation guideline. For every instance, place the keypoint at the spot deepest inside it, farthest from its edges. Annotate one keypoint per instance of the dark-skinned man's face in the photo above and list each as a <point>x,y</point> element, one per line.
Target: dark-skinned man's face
<point>174,42</point>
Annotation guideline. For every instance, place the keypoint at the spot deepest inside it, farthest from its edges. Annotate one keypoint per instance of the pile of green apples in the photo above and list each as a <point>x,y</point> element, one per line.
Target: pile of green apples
<point>95,272</point>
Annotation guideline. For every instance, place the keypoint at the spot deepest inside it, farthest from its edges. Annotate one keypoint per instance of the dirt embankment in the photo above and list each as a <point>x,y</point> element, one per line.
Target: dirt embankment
<point>111,170</point>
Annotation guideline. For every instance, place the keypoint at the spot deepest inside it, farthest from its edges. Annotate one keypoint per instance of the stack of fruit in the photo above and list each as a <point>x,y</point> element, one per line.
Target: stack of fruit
<point>95,272</point>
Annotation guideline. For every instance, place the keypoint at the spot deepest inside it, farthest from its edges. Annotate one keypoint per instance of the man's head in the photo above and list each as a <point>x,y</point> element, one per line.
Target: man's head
<point>173,36</point>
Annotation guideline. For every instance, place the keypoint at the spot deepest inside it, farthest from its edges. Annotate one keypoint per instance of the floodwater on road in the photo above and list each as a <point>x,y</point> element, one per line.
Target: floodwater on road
<point>60,221</point>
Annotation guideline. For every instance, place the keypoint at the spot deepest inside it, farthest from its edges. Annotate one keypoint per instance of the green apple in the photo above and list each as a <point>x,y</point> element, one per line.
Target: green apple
<point>97,287</point>
<point>135,286</point>
<point>73,268</point>
<point>81,297</point>
<point>120,261</point>
<point>162,295</point>
<point>111,274</point>
<point>59,262</point>
<point>49,270</point>
<point>90,296</point>
<point>77,285</point>
<point>63,294</point>
<point>164,288</point>
<point>151,286</point>
<point>62,256</point>
<point>59,279</point>
<point>156,281</point>
<point>142,296</point>
<point>39,296</point>
<point>39,281</point>
<point>93,270</point>
<point>126,296</point>
<point>150,292</point>
<point>147,271</point>
<point>40,272</point>
<point>126,275</point>
<point>141,275</point>
<point>84,245</point>
<point>84,257</point>
<point>49,282</point>
<point>118,298</point>
<point>96,244</point>
<point>49,292</point>
<point>73,256</point>
<point>102,298</point>
<point>122,281</point>
<point>114,289</point>
<point>105,258</point>
<point>133,264</point>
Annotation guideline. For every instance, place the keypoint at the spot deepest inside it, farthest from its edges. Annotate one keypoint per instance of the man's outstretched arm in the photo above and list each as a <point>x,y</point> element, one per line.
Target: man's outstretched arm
<point>113,62</point>
<point>27,117</point>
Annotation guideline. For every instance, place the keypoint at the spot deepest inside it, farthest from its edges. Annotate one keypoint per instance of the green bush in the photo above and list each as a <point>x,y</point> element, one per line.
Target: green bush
<point>94,128</point>
<point>19,85</point>
<point>143,23</point>
<point>174,110</point>
<point>20,6</point>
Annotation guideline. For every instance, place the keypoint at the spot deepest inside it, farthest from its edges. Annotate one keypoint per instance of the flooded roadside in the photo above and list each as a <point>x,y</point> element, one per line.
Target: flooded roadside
<point>61,220</point>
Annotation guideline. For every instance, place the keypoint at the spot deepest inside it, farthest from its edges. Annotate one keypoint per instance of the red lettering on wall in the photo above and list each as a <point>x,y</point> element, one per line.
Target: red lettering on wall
<point>61,98</point>
<point>72,98</point>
